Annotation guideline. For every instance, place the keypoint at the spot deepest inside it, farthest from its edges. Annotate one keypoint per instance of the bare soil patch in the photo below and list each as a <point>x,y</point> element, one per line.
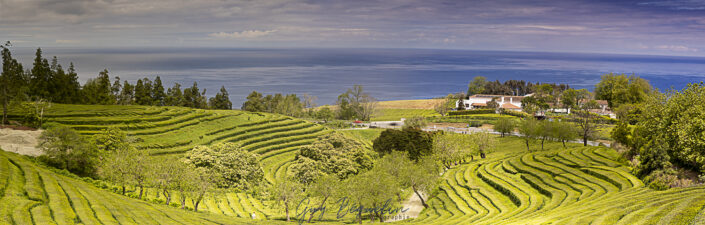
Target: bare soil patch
<point>21,140</point>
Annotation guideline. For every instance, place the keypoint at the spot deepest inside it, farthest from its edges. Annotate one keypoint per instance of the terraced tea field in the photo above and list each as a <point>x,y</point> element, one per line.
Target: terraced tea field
<point>580,185</point>
<point>170,131</point>
<point>31,194</point>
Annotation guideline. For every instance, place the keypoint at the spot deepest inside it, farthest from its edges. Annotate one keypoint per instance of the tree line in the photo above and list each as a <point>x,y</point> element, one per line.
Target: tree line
<point>480,85</point>
<point>354,103</point>
<point>47,80</point>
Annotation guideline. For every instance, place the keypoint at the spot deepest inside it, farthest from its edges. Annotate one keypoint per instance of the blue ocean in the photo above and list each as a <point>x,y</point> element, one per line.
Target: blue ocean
<point>387,74</point>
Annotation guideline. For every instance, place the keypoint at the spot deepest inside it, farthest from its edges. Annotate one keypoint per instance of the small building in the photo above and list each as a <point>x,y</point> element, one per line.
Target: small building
<point>480,101</point>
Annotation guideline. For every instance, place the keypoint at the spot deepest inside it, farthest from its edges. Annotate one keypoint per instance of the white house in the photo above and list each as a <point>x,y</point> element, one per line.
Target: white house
<point>480,101</point>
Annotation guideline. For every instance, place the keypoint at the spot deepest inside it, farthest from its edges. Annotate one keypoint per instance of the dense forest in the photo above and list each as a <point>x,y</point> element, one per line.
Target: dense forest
<point>48,81</point>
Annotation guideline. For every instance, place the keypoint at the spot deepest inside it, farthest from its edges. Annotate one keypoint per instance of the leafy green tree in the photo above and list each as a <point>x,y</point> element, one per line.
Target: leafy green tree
<point>451,148</point>
<point>221,100</point>
<point>201,181</point>
<point>33,111</point>
<point>622,89</point>
<point>530,129</point>
<point>110,140</point>
<point>587,122</point>
<point>65,149</point>
<point>571,98</point>
<point>545,131</point>
<point>157,92</point>
<point>415,142</point>
<point>485,142</point>
<point>674,122</point>
<point>121,161</point>
<point>622,133</point>
<point>534,104</point>
<point>564,132</point>
<point>166,176</point>
<point>12,82</point>
<point>325,114</point>
<point>287,193</point>
<point>443,106</point>
<point>505,126</point>
<point>325,187</point>
<point>174,96</point>
<point>238,168</point>
<point>416,122</point>
<point>355,103</point>
<point>379,187</point>
<point>422,177</point>
<point>332,154</point>
<point>254,102</point>
<point>477,85</point>
<point>98,91</point>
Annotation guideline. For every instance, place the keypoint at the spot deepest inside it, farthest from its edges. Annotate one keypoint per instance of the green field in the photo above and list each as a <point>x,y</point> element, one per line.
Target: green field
<point>31,194</point>
<point>578,185</point>
<point>168,132</point>
<point>397,114</point>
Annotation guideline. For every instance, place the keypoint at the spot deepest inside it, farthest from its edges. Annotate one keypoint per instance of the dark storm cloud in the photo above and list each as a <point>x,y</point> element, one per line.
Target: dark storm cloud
<point>652,27</point>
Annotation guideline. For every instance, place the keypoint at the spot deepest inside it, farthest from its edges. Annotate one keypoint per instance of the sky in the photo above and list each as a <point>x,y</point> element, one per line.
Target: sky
<point>653,27</point>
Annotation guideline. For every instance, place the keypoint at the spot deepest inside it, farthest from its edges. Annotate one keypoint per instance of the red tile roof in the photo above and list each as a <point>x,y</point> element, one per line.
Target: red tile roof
<point>509,106</point>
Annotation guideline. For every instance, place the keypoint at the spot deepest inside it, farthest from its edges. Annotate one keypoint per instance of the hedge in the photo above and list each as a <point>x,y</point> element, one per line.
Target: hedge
<point>469,112</point>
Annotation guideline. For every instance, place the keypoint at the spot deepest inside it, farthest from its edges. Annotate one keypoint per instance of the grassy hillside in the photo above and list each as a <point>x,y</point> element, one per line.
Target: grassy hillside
<point>578,185</point>
<point>168,132</point>
<point>31,194</point>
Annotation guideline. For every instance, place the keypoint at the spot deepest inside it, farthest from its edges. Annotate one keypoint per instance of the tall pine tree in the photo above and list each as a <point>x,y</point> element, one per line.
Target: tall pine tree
<point>174,96</point>
<point>41,77</point>
<point>221,100</point>
<point>158,95</point>
<point>13,82</point>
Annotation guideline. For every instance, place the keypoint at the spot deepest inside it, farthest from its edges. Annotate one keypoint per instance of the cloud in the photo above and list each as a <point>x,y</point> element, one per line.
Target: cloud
<point>553,27</point>
<point>677,4</point>
<point>67,41</point>
<point>247,34</point>
<point>676,48</point>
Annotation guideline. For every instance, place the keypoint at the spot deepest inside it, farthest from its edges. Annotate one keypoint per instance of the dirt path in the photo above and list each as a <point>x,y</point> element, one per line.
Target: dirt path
<point>20,141</point>
<point>414,206</point>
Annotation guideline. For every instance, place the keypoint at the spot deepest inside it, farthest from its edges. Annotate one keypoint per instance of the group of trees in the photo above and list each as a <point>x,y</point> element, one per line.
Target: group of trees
<point>290,104</point>
<point>49,81</point>
<point>480,85</point>
<point>332,154</point>
<point>375,186</point>
<point>667,133</point>
<point>533,130</point>
<point>147,92</point>
<point>620,89</point>
<point>355,103</point>
<point>110,155</point>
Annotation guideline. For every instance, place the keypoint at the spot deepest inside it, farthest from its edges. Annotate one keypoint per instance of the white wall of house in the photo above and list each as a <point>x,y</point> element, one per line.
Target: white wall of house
<point>483,99</point>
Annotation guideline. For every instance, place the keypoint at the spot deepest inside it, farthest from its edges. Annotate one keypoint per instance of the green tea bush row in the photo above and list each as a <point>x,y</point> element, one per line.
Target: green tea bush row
<point>469,112</point>
<point>308,134</point>
<point>256,131</point>
<point>247,125</point>
<point>278,133</point>
<point>262,126</point>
